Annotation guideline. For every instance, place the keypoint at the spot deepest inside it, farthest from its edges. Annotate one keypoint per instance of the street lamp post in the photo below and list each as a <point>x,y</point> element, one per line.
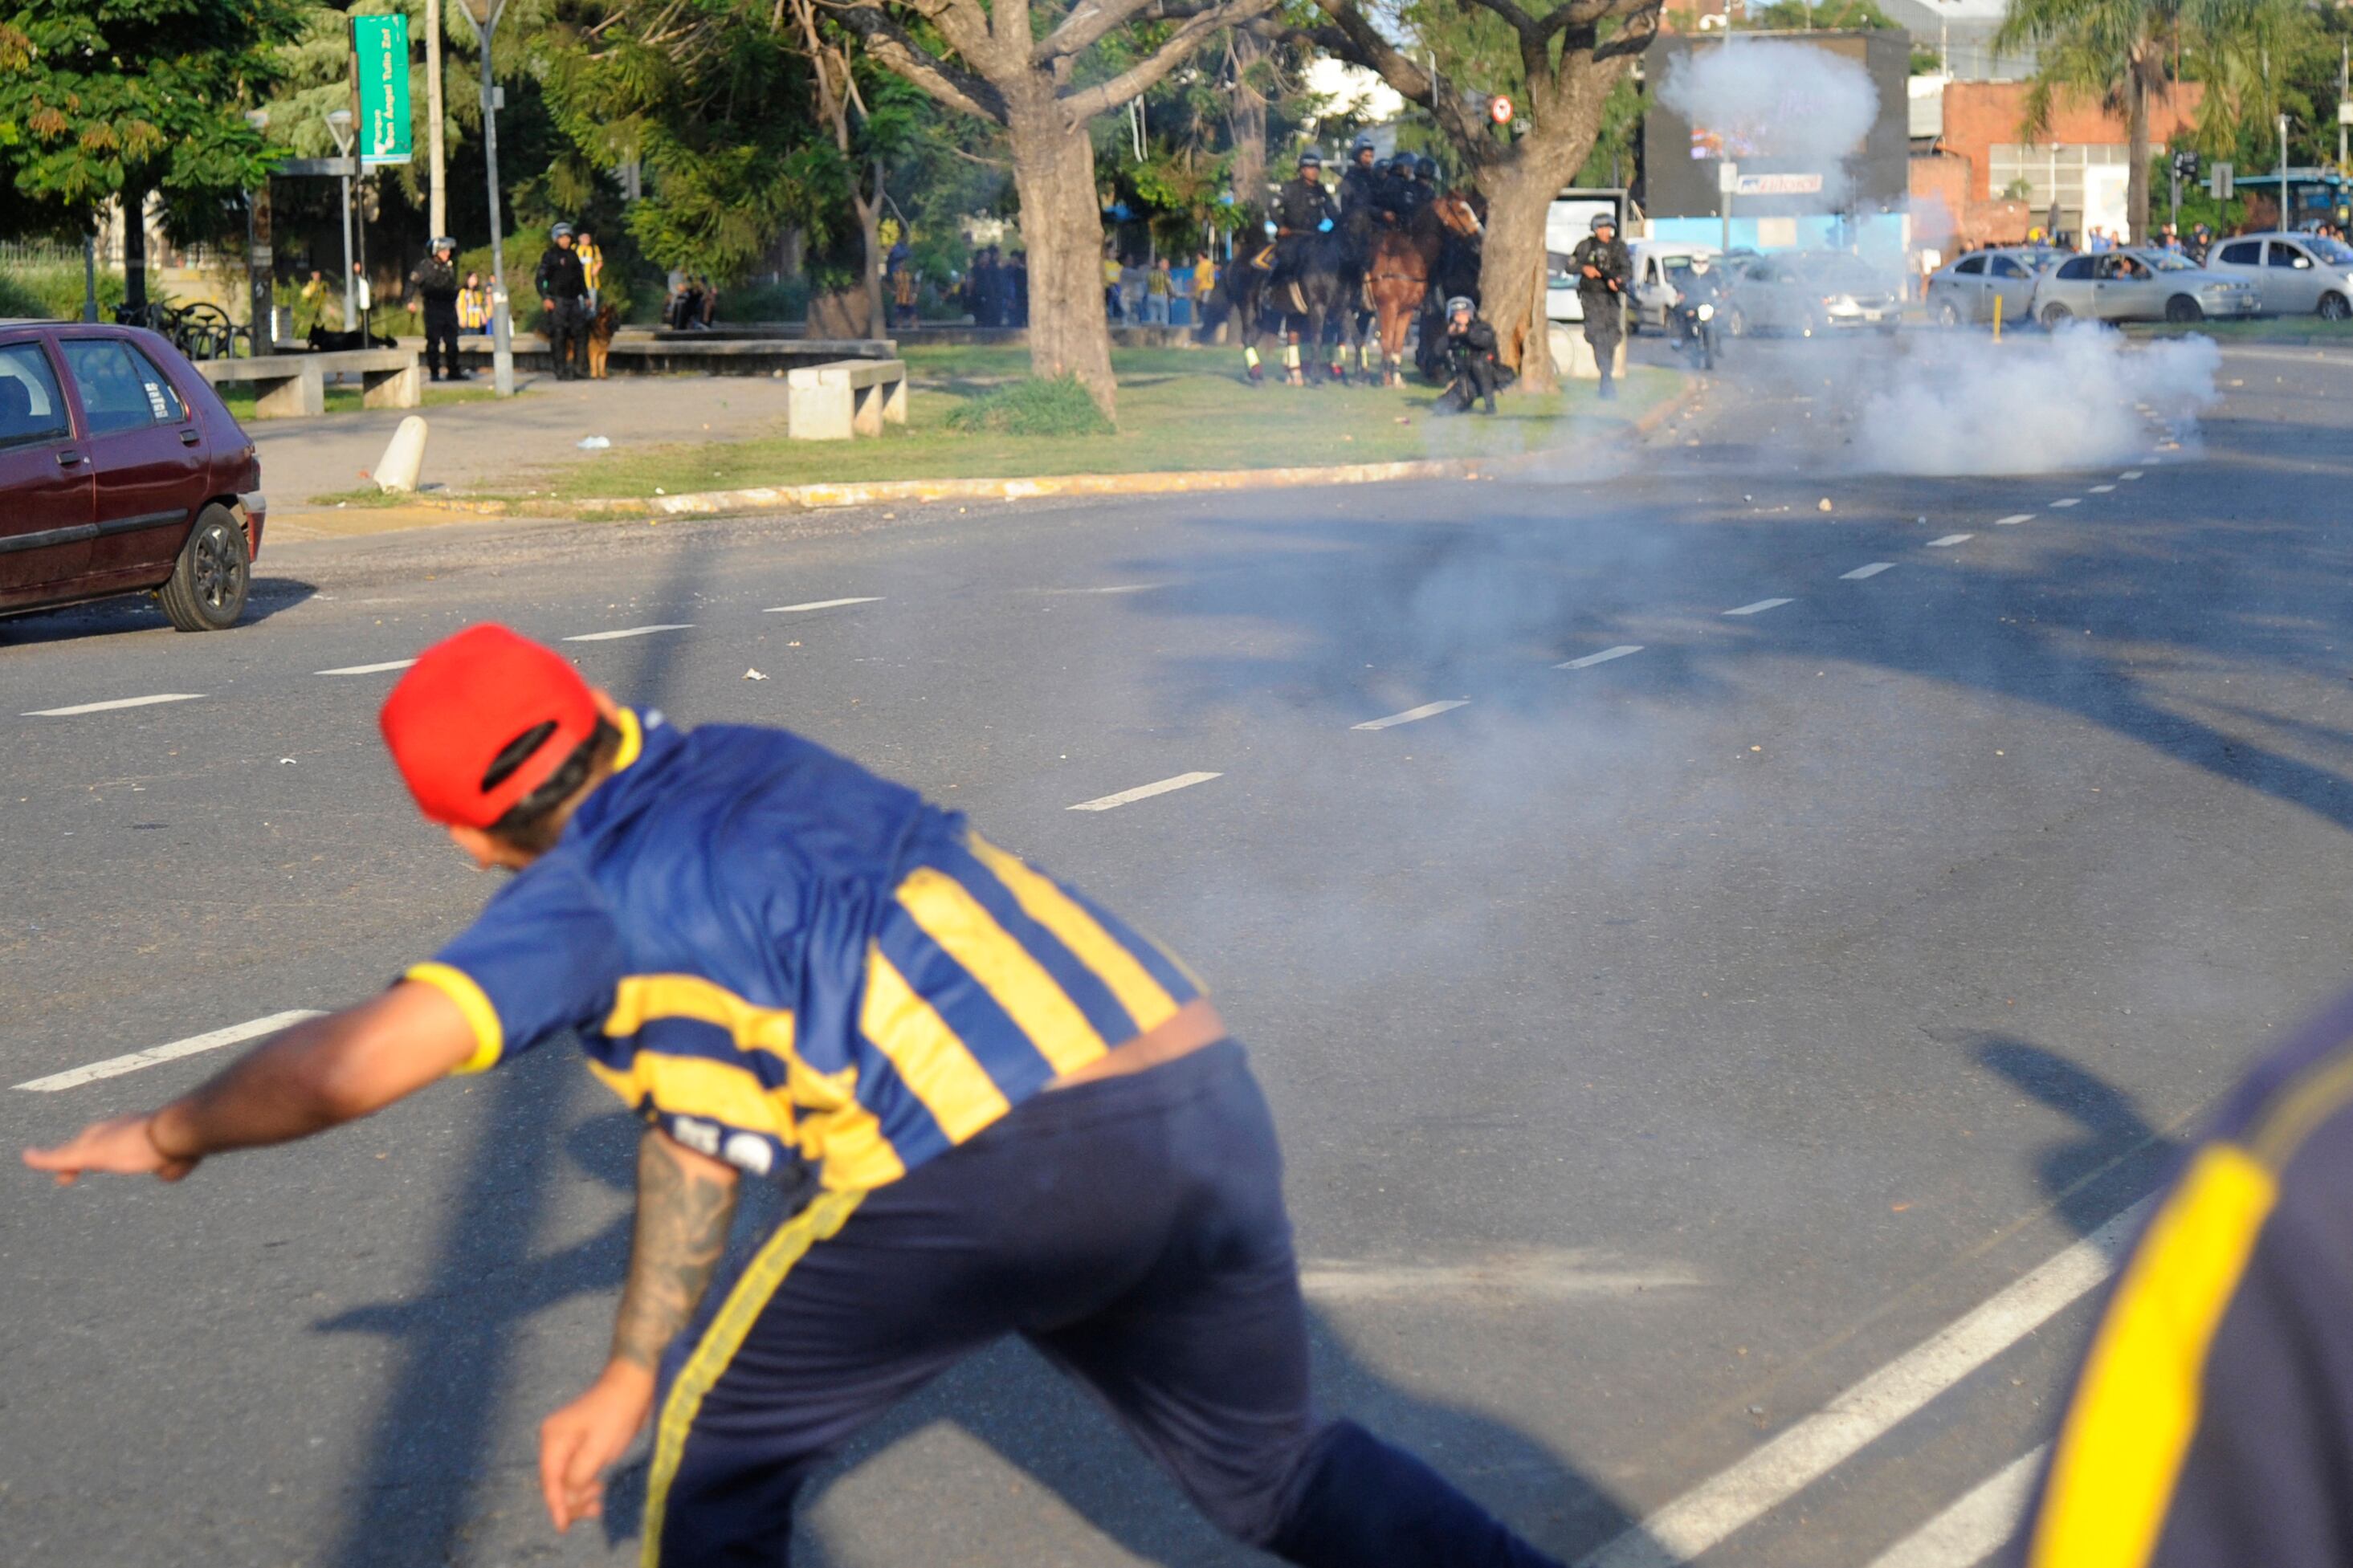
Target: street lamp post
<point>2285,222</point>
<point>339,125</point>
<point>484,14</point>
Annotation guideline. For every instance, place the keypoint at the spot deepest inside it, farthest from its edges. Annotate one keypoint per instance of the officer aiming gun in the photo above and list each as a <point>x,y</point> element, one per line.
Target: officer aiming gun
<point>1478,373</point>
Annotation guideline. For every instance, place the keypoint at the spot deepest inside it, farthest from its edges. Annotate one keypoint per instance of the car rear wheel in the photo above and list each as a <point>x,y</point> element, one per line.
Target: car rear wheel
<point>206,589</point>
<point>2334,308</point>
<point>2054,314</point>
<point>2182,308</point>
<point>1947,316</point>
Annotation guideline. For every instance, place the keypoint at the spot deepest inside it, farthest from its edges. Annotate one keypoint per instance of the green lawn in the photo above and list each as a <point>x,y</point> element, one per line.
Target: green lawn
<point>2261,330</point>
<point>1178,409</point>
<point>240,396</point>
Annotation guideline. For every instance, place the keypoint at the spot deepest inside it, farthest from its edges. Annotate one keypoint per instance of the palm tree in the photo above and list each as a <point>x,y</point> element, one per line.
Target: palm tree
<point>2115,50</point>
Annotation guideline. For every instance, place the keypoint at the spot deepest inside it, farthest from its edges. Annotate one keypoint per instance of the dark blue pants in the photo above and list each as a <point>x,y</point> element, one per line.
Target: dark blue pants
<point>1132,1230</point>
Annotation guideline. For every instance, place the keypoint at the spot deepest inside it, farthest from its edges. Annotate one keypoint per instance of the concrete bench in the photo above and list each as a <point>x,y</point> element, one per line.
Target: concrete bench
<point>636,351</point>
<point>847,397</point>
<point>288,386</point>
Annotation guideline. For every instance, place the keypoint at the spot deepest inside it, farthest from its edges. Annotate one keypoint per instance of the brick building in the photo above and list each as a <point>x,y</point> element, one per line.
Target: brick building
<point>1992,184</point>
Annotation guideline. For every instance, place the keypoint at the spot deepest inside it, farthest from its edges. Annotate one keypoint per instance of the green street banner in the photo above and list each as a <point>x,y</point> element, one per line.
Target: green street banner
<point>382,45</point>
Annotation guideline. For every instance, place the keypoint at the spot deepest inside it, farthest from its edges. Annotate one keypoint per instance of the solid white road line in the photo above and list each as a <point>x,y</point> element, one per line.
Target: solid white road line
<point>115,1066</point>
<point>819,605</point>
<point>1818,1444</point>
<point>2013,519</point>
<point>369,668</point>
<point>2130,474</point>
<point>1976,1526</point>
<point>2067,501</point>
<point>2102,489</point>
<point>1860,572</point>
<point>631,632</point>
<point>1949,541</point>
<point>1144,792</point>
<point>1760,606</point>
<point>1604,657</point>
<point>110,706</point>
<point>1410,715</point>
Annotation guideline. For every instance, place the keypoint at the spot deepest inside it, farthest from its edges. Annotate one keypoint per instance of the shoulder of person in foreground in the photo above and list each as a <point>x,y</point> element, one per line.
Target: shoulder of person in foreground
<point>2210,1422</point>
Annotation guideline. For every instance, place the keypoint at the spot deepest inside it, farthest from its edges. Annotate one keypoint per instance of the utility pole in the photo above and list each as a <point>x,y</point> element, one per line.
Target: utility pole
<point>2344,96</point>
<point>358,189</point>
<point>261,266</point>
<point>484,15</point>
<point>438,203</point>
<point>340,124</point>
<point>2285,222</point>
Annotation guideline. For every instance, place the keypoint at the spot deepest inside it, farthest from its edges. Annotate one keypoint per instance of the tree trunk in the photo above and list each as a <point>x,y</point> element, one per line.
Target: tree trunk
<point>841,313</point>
<point>1061,228</point>
<point>869,235</point>
<point>134,245</point>
<point>1246,124</point>
<point>2137,173</point>
<point>1511,265</point>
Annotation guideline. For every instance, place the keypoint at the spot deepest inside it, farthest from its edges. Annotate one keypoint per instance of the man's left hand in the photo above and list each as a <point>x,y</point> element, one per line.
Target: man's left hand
<point>119,1147</point>
<point>580,1442</point>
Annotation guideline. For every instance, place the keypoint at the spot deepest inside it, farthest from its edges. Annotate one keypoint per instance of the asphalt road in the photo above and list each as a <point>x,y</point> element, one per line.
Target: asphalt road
<point>1710,1074</point>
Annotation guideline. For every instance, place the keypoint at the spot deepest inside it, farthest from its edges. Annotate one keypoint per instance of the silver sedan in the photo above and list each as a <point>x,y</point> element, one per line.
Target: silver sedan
<point>1966,289</point>
<point>2139,285</point>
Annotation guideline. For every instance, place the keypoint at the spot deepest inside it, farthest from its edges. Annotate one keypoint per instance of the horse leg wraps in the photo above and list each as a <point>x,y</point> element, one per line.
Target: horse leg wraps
<point>1291,354</point>
<point>1250,355</point>
<point>1368,354</point>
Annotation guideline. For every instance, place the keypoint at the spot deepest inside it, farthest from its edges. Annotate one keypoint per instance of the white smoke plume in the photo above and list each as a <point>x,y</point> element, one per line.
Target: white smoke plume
<point>2077,398</point>
<point>1773,100</point>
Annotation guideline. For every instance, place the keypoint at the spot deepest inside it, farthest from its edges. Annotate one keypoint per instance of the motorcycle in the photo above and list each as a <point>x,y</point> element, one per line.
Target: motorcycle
<point>1694,328</point>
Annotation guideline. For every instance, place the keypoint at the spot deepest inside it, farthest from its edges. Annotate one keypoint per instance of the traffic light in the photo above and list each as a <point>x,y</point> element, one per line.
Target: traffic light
<point>2185,167</point>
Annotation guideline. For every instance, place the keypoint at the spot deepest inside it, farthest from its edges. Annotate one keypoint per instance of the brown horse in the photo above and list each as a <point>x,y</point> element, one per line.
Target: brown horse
<point>1398,274</point>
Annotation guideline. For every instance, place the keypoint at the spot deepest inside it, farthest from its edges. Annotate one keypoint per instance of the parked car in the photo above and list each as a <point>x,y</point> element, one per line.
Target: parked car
<point>2296,274</point>
<point>120,471</point>
<point>1964,289</point>
<point>1808,294</point>
<point>2138,285</point>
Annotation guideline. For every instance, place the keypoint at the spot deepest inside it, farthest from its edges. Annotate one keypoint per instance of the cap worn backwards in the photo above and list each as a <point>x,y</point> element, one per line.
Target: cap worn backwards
<point>482,720</point>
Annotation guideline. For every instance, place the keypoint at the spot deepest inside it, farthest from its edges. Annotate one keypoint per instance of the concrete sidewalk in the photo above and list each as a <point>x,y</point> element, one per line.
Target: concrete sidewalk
<point>477,444</point>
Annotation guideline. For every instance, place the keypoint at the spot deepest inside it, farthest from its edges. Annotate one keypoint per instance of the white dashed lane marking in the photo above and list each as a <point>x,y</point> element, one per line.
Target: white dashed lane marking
<point>1427,710</point>
<point>1805,1453</point>
<point>1974,1527</point>
<point>1144,792</point>
<point>110,706</point>
<point>2130,474</point>
<point>115,1066</point>
<point>370,669</point>
<point>1949,541</point>
<point>1604,657</point>
<point>632,632</point>
<point>1860,572</point>
<point>2102,489</point>
<point>2013,519</point>
<point>2067,501</point>
<point>1759,607</point>
<point>819,605</point>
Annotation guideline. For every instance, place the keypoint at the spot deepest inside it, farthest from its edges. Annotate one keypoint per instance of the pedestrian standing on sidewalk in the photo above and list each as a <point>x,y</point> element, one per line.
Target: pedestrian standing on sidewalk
<point>1158,286</point>
<point>592,266</point>
<point>434,291</point>
<point>1001,1111</point>
<point>474,305</point>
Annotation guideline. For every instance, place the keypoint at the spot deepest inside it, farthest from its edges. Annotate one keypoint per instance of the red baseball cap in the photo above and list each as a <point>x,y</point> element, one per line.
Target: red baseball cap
<point>482,720</point>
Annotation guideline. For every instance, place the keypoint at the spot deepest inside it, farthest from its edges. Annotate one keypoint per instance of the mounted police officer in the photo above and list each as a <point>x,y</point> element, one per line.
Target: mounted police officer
<point>1470,349</point>
<point>1603,273</point>
<point>1304,211</point>
<point>562,285</point>
<point>434,291</point>
<point>1361,183</point>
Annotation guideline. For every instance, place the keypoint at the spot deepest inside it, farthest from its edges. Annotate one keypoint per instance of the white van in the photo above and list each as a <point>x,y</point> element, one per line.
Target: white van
<point>1657,263</point>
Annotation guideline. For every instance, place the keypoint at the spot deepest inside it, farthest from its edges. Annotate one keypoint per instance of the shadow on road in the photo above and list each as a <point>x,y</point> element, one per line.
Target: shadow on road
<point>138,613</point>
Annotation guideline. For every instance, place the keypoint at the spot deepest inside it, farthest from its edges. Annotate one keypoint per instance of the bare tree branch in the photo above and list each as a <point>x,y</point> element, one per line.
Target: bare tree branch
<point>890,45</point>
<point>1087,102</point>
<point>1089,23</point>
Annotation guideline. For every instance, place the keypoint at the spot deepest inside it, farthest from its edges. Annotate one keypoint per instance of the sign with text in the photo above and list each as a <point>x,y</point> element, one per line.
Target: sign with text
<point>1776,186</point>
<point>381,44</point>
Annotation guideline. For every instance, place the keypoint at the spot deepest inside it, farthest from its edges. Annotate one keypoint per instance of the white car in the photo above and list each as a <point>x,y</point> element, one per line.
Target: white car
<point>2140,285</point>
<point>2296,274</point>
<point>1965,290</point>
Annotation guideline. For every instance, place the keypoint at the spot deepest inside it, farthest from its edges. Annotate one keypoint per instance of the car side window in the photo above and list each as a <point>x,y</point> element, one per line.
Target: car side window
<point>1970,265</point>
<point>2285,255</point>
<point>162,396</point>
<point>31,408</point>
<point>119,389</point>
<point>2003,266</point>
<point>2076,266</point>
<point>2245,253</point>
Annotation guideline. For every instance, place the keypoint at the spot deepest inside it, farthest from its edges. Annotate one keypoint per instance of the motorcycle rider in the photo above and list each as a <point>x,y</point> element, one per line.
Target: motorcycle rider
<point>562,285</point>
<point>1471,346</point>
<point>1603,270</point>
<point>1698,287</point>
<point>434,292</point>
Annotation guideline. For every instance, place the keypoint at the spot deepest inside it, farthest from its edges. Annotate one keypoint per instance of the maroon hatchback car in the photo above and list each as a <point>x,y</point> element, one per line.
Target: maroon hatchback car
<point>120,471</point>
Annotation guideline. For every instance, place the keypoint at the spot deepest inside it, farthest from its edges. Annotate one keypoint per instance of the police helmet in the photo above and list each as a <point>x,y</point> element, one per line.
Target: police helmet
<point>1699,263</point>
<point>443,242</point>
<point>1311,159</point>
<point>1381,165</point>
<point>1361,144</point>
<point>1459,304</point>
<point>561,231</point>
<point>1425,167</point>
<point>1604,220</point>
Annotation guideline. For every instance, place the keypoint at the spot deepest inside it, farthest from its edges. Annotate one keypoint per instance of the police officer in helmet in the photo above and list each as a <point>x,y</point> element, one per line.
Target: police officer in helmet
<point>1471,346</point>
<point>562,285</point>
<point>1603,272</point>
<point>434,283</point>
<point>1304,210</point>
<point>1362,181</point>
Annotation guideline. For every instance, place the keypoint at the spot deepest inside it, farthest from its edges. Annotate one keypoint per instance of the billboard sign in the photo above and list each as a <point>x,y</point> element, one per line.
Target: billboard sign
<point>1777,184</point>
<point>381,44</point>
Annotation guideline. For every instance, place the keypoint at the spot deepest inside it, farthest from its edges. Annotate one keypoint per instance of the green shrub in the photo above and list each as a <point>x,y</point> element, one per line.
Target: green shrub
<point>55,292</point>
<point>1032,407</point>
<point>784,301</point>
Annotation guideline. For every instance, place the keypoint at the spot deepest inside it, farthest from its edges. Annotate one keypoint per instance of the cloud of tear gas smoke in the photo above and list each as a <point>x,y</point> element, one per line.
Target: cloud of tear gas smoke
<point>1778,100</point>
<point>2080,397</point>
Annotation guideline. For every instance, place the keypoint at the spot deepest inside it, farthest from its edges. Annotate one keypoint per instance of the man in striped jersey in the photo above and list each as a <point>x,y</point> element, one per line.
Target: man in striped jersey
<point>1002,1110</point>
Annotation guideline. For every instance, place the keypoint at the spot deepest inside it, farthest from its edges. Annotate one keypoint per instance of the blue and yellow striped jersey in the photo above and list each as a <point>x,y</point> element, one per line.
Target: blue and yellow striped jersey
<point>778,956</point>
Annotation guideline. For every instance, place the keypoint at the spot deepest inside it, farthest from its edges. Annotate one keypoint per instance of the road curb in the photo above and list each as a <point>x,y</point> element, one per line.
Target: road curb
<point>1169,482</point>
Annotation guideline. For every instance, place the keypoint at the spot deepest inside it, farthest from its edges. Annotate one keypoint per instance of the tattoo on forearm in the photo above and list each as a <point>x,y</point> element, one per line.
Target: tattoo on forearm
<point>681,1230</point>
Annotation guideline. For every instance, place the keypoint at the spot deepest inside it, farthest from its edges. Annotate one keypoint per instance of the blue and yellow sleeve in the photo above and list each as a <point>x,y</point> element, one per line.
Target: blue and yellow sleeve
<point>542,958</point>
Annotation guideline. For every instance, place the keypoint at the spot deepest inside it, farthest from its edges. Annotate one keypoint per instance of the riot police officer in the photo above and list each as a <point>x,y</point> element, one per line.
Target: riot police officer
<point>434,283</point>
<point>1470,347</point>
<point>562,285</point>
<point>1603,271</point>
<point>1361,183</point>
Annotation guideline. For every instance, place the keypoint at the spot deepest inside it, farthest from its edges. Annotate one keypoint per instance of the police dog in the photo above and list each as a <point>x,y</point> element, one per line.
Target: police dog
<point>600,341</point>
